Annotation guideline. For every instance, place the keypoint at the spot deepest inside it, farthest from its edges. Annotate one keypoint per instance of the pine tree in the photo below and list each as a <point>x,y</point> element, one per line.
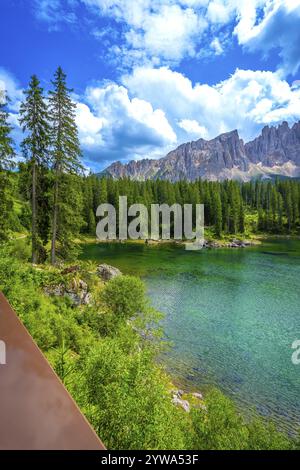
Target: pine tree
<point>295,204</point>
<point>35,146</point>
<point>91,223</point>
<point>217,208</point>
<point>241,218</point>
<point>234,198</point>
<point>70,216</point>
<point>65,150</point>
<point>6,162</point>
<point>280,212</point>
<point>274,208</point>
<point>289,208</point>
<point>260,221</point>
<point>7,152</point>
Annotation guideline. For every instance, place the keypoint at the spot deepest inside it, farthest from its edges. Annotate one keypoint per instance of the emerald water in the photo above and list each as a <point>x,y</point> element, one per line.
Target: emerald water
<point>231,314</point>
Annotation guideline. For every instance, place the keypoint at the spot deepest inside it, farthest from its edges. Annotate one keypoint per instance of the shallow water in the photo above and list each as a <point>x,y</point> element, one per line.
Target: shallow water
<point>231,314</point>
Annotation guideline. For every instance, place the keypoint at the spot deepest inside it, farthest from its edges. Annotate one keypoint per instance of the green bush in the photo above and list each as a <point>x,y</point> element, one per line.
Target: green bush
<point>125,296</point>
<point>131,406</point>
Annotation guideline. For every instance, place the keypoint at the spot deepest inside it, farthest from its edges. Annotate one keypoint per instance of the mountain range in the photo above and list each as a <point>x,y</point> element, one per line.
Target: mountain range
<point>276,151</point>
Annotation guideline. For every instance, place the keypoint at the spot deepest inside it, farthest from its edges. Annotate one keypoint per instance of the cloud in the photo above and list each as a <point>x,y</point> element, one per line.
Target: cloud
<point>220,12</point>
<point>114,126</point>
<point>10,86</point>
<point>217,46</point>
<point>89,127</point>
<point>56,12</point>
<point>246,101</point>
<point>193,128</point>
<point>165,32</point>
<point>170,33</point>
<point>159,30</point>
<point>279,28</point>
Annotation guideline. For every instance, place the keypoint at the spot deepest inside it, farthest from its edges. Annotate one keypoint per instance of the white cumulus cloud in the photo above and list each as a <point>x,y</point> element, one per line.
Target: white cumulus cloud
<point>193,128</point>
<point>160,29</point>
<point>164,32</point>
<point>9,85</point>
<point>279,28</point>
<point>114,126</point>
<point>246,101</point>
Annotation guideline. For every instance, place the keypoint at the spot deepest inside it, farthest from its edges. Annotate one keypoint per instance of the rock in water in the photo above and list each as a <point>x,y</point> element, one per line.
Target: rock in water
<point>107,272</point>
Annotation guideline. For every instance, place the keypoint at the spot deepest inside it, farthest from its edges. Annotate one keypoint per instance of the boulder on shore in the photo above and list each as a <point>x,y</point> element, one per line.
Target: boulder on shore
<point>211,244</point>
<point>107,272</point>
<point>198,395</point>
<point>76,291</point>
<point>183,403</point>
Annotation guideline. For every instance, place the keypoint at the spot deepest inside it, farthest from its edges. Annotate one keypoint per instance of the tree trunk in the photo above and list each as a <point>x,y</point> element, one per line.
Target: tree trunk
<point>34,215</point>
<point>55,220</point>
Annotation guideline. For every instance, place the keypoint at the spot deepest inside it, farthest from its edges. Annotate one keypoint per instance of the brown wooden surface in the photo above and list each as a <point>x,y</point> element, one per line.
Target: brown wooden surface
<point>36,411</point>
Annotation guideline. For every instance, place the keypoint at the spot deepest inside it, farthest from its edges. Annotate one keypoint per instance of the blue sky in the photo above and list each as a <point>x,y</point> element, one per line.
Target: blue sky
<point>150,74</point>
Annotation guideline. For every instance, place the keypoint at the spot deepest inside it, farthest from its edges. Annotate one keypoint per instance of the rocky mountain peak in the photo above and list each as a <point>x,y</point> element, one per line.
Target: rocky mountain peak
<point>275,151</point>
<point>276,146</point>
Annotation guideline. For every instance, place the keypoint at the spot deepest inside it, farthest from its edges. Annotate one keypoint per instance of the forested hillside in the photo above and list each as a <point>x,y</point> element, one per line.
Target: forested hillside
<point>231,208</point>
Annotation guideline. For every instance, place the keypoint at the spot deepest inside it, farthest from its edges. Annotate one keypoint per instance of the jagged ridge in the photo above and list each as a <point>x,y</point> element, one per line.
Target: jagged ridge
<point>275,152</point>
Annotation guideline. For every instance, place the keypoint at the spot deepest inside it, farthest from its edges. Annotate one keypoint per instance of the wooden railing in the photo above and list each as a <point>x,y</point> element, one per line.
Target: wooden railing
<point>36,411</point>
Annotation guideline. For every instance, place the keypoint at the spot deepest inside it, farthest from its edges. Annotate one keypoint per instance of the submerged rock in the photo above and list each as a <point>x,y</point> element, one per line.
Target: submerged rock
<point>107,272</point>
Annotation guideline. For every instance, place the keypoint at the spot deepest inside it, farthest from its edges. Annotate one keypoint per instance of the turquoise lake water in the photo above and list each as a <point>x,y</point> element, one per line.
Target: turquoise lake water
<point>231,314</point>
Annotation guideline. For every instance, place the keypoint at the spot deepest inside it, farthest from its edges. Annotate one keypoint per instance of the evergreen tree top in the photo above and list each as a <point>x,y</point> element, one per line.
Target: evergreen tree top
<point>7,152</point>
<point>34,120</point>
<point>64,134</point>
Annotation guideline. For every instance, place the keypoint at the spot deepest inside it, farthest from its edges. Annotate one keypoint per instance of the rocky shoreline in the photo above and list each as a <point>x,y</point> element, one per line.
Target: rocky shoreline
<point>208,243</point>
<point>188,400</point>
<point>235,243</point>
<point>76,289</point>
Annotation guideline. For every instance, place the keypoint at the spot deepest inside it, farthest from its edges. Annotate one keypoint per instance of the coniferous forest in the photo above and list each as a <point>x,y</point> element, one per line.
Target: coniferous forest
<point>102,350</point>
<point>231,208</point>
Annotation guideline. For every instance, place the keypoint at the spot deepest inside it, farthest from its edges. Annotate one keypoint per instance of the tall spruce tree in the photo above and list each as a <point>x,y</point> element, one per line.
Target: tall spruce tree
<point>6,142</point>
<point>65,151</point>
<point>217,209</point>
<point>6,163</point>
<point>35,146</point>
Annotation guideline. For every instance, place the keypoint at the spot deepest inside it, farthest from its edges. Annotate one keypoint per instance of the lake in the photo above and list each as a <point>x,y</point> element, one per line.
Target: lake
<point>231,314</point>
